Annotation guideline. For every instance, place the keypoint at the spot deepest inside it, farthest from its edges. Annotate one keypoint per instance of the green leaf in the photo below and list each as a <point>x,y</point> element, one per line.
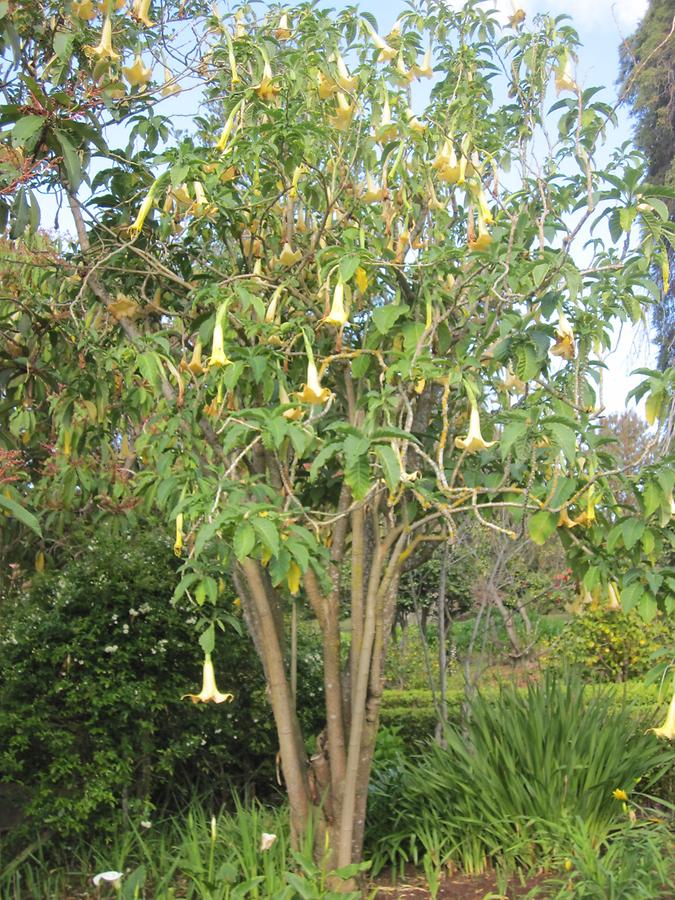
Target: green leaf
<point>63,42</point>
<point>511,433</point>
<point>18,512</point>
<point>391,468</point>
<point>564,489</point>
<point>322,458</point>
<point>268,533</point>
<point>207,640</point>
<point>348,265</point>
<point>630,595</point>
<point>244,541</point>
<point>652,497</point>
<point>354,448</point>
<point>71,161</point>
<point>632,532</point>
<point>357,477</point>
<point>26,128</point>
<point>542,525</point>
<point>565,438</point>
<point>647,607</point>
<point>385,317</point>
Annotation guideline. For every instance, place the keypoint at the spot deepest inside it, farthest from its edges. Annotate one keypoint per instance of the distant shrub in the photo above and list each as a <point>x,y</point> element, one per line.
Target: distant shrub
<point>93,662</point>
<point>608,645</point>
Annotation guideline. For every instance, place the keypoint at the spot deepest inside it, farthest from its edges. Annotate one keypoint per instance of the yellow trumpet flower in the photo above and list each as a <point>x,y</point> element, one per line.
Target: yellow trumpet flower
<point>446,164</point>
<point>141,11</point>
<point>84,10</point>
<point>327,87</point>
<point>373,193</point>
<point>517,18</point>
<point>288,256</point>
<point>474,439</point>
<point>123,307</point>
<point>218,357</point>
<point>282,32</point>
<point>271,311</point>
<point>481,200</point>
<point>178,543</point>
<point>344,113</point>
<point>147,204</point>
<point>312,392</point>
<point>104,50</point>
<point>267,90</point>
<point>227,129</point>
<point>209,692</point>
<point>346,81</point>
<point>614,603</point>
<point>426,69</point>
<point>195,364</point>
<point>564,345</point>
<point>200,207</point>
<point>387,52</point>
<point>386,129</point>
<point>667,730</point>
<point>414,123</point>
<point>138,74</point>
<point>564,80</point>
<point>483,239</point>
<point>564,520</point>
<point>337,315</point>
<point>404,75</point>
<point>170,87</point>
<point>361,279</point>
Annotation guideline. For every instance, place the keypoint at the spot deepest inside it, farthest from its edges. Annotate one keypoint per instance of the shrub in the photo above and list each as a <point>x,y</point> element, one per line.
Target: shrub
<point>609,645</point>
<point>524,761</point>
<point>93,663</point>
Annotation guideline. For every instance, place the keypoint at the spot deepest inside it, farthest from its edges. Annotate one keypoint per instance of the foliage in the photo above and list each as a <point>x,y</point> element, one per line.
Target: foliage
<point>402,332</point>
<point>93,662</point>
<point>635,860</point>
<point>522,763</point>
<point>195,856</point>
<point>606,645</point>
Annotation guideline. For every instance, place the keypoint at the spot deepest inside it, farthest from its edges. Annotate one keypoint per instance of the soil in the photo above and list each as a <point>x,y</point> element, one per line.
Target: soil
<point>456,887</point>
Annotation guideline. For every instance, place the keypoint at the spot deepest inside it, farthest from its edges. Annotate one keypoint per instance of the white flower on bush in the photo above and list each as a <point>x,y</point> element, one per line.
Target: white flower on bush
<point>266,841</point>
<point>112,877</point>
<point>146,824</point>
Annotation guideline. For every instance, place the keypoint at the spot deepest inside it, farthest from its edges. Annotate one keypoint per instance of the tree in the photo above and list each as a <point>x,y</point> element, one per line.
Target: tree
<point>287,330</point>
<point>648,81</point>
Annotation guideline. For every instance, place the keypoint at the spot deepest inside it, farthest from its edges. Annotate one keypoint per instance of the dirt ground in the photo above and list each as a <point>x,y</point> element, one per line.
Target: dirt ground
<point>455,887</point>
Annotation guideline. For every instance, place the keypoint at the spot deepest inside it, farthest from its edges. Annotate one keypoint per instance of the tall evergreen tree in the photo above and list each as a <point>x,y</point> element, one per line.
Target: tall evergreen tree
<point>648,81</point>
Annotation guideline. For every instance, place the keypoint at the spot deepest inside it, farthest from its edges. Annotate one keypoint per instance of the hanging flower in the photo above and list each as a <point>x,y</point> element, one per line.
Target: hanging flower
<point>613,600</point>
<point>104,50</point>
<point>344,113</point>
<point>170,87</point>
<point>564,520</point>
<point>267,90</point>
<point>141,11</point>
<point>587,517</point>
<point>178,543</point>
<point>289,256</point>
<point>517,18</point>
<point>218,357</point>
<point>312,392</point>
<point>447,166</point>
<point>282,32</point>
<point>426,69</point>
<point>271,311</point>
<point>564,79</point>
<point>667,730</point>
<point>84,10</point>
<point>327,87</point>
<point>337,315</point>
<point>387,52</point>
<point>147,204</point>
<point>483,240</point>
<point>346,81</point>
<point>294,412</point>
<point>361,279</point>
<point>123,307</point>
<point>209,692</point>
<point>195,364</point>
<point>386,129</point>
<point>414,123</point>
<point>474,439</point>
<point>373,193</point>
<point>403,75</point>
<point>138,74</point>
<point>564,345</point>
<point>227,129</point>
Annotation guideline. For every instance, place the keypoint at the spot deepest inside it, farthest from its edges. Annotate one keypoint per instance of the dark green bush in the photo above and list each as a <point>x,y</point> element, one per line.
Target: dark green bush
<point>609,645</point>
<point>524,761</point>
<point>93,662</point>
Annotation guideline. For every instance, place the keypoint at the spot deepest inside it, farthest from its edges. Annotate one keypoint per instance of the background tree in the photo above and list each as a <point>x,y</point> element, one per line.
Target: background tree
<point>331,332</point>
<point>648,80</point>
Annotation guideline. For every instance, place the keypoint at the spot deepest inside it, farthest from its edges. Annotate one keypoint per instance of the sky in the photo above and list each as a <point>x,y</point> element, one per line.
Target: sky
<point>602,25</point>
